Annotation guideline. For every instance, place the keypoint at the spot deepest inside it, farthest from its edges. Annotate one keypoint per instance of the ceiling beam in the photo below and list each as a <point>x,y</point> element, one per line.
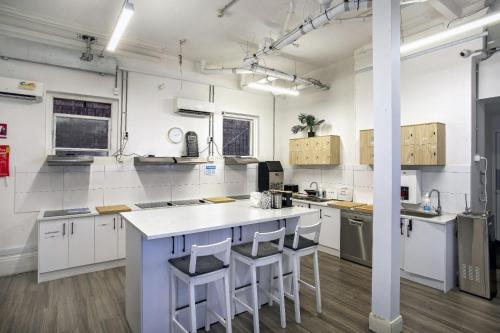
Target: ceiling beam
<point>448,8</point>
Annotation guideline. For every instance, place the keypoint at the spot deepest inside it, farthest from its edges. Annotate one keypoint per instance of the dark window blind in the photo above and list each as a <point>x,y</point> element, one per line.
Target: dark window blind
<point>236,136</point>
<point>82,108</point>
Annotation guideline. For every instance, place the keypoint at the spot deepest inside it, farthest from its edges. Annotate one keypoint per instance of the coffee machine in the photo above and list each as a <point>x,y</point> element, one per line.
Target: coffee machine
<point>270,176</point>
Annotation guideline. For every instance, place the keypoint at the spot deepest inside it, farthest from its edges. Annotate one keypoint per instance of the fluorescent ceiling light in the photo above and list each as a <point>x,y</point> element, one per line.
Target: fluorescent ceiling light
<point>447,34</point>
<point>125,16</point>
<point>272,89</point>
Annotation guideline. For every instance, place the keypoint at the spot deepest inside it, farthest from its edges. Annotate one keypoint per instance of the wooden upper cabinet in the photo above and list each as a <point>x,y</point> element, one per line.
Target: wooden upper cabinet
<point>421,145</point>
<point>366,147</point>
<point>320,150</point>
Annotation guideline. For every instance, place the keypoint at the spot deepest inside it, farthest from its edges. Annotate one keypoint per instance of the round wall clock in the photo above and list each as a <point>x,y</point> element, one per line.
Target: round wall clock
<point>175,134</point>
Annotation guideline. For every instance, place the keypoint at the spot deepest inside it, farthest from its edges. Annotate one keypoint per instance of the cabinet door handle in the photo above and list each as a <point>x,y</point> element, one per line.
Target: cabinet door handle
<point>320,214</point>
<point>121,224</point>
<point>241,233</point>
<point>401,227</point>
<point>72,228</point>
<point>409,228</point>
<point>183,243</point>
<point>114,223</point>
<point>64,229</point>
<point>232,234</point>
<point>173,245</point>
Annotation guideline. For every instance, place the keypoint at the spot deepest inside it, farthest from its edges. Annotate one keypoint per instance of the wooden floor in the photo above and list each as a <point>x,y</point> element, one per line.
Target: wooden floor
<point>95,303</point>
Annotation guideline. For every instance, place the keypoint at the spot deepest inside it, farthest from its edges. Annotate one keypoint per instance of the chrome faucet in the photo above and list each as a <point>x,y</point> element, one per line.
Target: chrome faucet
<point>317,186</point>
<point>438,209</point>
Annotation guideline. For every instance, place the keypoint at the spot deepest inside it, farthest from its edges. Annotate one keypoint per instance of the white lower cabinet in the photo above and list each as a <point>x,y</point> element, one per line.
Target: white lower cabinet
<point>106,238</point>
<point>122,236</point>
<point>109,237</point>
<point>428,252</point>
<point>81,241</point>
<point>53,246</point>
<point>330,227</point>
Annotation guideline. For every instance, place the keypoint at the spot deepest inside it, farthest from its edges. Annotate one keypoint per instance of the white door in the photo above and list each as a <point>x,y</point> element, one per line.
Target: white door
<point>106,237</point>
<point>424,249</point>
<point>53,245</point>
<point>330,228</point>
<point>81,241</point>
<point>122,236</point>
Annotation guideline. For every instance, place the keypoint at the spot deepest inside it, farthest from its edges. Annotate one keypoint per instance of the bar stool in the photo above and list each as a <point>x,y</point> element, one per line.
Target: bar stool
<point>201,267</point>
<point>261,252</point>
<point>296,246</point>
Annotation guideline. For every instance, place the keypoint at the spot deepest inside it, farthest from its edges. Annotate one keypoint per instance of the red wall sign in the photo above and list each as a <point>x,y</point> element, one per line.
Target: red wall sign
<point>3,131</point>
<point>4,160</point>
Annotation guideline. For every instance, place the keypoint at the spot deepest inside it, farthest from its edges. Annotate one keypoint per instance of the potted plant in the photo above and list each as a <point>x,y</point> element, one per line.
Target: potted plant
<point>309,122</point>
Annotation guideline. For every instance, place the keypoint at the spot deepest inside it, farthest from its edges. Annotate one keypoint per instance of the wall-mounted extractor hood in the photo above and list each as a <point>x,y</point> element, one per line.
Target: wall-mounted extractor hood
<point>239,160</point>
<point>195,108</point>
<point>190,160</point>
<point>21,89</point>
<point>53,160</point>
<point>153,160</point>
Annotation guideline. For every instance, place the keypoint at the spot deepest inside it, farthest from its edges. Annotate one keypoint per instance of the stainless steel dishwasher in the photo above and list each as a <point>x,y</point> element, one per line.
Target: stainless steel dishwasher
<point>356,237</point>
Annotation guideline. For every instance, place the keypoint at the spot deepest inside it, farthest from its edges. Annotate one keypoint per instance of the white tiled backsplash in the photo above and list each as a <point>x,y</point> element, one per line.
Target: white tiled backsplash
<point>452,181</point>
<point>45,187</point>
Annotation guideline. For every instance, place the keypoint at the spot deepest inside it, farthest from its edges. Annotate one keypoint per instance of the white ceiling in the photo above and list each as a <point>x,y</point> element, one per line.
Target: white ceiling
<point>159,24</point>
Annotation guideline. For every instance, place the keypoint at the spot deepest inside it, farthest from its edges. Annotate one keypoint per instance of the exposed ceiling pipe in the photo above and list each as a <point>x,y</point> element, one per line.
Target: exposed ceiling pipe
<point>258,69</point>
<point>266,71</point>
<point>309,25</point>
<point>291,11</point>
<point>222,70</point>
<point>222,10</point>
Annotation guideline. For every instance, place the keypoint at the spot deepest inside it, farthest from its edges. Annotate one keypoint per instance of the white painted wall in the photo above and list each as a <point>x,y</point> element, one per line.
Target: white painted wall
<point>434,87</point>
<point>34,186</point>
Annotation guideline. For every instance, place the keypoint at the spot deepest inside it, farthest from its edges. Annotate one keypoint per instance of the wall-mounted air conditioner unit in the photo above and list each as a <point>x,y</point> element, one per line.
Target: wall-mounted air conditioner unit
<point>190,107</point>
<point>21,89</point>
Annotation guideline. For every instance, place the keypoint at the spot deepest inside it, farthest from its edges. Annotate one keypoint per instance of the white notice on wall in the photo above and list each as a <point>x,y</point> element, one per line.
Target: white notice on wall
<point>210,169</point>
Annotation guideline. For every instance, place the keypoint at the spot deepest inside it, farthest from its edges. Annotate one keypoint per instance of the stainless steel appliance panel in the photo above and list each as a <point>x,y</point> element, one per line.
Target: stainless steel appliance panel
<point>356,237</point>
<point>476,255</point>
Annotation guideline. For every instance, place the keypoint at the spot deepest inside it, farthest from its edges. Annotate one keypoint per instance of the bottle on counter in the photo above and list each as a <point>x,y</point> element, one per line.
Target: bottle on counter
<point>427,203</point>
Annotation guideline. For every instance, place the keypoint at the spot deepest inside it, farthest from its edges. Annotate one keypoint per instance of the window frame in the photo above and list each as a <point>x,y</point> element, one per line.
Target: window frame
<point>113,121</point>
<point>254,131</point>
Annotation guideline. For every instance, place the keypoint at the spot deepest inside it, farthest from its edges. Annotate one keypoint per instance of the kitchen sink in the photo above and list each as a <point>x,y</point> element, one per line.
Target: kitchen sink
<point>418,213</point>
<point>311,198</point>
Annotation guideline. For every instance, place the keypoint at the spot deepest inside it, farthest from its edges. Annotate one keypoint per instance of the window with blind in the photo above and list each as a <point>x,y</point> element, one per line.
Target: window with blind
<point>237,136</point>
<point>81,127</point>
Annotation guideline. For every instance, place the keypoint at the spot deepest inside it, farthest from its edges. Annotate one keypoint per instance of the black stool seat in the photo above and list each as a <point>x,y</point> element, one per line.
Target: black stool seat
<point>265,249</point>
<point>303,242</point>
<point>204,265</point>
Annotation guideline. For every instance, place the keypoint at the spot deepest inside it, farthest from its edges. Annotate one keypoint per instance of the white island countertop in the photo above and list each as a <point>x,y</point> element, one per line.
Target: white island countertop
<point>176,221</point>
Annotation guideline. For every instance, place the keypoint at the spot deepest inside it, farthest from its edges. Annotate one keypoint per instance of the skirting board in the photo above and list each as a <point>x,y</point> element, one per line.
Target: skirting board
<point>425,281</point>
<point>18,263</point>
<point>43,277</point>
<point>329,250</point>
<point>381,325</point>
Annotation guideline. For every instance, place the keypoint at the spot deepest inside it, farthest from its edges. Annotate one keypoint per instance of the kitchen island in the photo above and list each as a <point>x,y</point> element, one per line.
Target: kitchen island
<point>155,236</point>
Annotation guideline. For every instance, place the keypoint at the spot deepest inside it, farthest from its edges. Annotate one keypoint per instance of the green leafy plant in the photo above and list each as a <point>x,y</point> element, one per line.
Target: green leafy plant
<point>307,121</point>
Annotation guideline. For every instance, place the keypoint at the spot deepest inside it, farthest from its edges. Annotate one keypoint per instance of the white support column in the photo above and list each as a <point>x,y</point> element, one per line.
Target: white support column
<point>385,316</point>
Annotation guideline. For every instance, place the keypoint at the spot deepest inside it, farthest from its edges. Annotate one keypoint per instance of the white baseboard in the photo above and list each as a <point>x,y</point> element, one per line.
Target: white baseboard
<point>329,250</point>
<point>42,277</point>
<point>16,263</point>
<point>423,280</point>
